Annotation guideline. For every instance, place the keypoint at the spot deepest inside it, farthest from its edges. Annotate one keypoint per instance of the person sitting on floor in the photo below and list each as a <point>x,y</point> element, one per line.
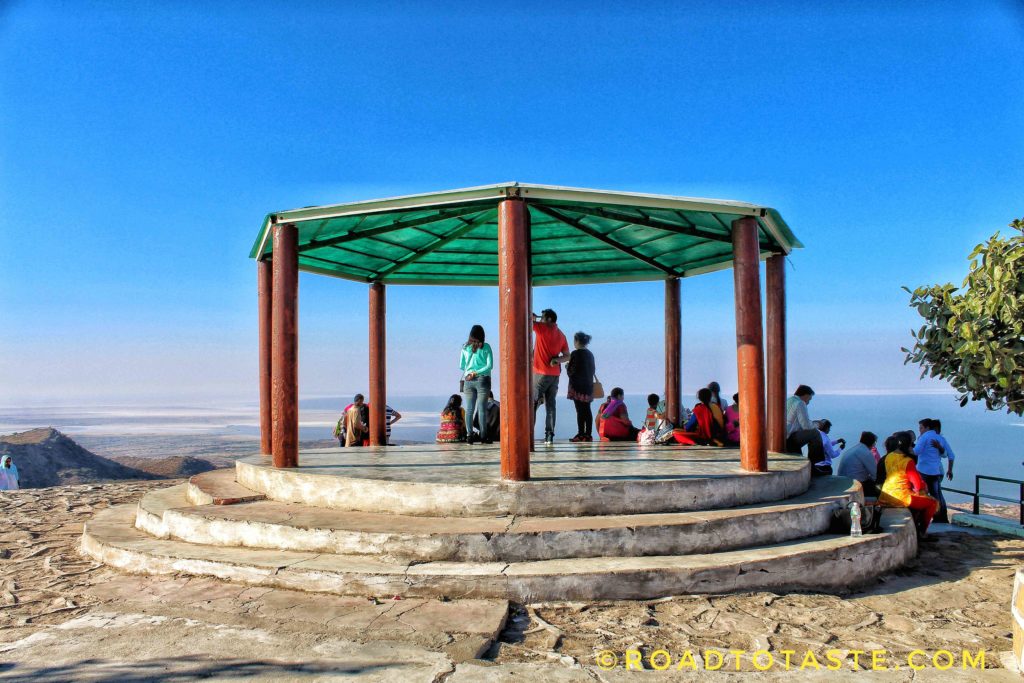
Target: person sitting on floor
<point>859,464</point>
<point>357,418</point>
<point>613,423</point>
<point>702,428</point>
<point>453,421</point>
<point>716,396</point>
<point>493,417</point>
<point>903,485</point>
<point>352,427</point>
<point>732,421</point>
<point>717,406</point>
<point>653,417</point>
<point>830,452</point>
<point>391,416</point>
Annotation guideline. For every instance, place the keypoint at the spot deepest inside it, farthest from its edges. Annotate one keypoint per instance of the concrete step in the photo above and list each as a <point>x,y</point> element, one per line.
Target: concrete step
<point>274,525</point>
<point>570,481</point>
<point>218,487</point>
<point>818,563</point>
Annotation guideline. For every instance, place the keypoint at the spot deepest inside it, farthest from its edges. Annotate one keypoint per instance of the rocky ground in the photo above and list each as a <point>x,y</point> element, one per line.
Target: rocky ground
<point>65,618</point>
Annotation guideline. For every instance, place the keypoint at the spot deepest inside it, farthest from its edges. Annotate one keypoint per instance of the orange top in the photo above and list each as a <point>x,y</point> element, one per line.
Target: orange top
<point>549,343</point>
<point>901,479</point>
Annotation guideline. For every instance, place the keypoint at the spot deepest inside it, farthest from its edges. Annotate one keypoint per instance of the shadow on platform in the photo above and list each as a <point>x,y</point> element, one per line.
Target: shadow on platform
<point>190,668</point>
<point>953,555</point>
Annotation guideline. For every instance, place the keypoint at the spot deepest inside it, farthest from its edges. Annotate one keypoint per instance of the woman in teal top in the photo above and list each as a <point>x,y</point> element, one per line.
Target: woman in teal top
<point>476,363</point>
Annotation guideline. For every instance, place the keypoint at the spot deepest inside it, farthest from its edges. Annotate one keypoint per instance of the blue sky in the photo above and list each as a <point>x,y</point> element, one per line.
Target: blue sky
<point>141,144</point>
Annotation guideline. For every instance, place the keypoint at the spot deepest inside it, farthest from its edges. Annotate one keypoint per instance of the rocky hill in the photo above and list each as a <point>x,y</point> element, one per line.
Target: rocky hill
<point>45,457</point>
<point>173,467</point>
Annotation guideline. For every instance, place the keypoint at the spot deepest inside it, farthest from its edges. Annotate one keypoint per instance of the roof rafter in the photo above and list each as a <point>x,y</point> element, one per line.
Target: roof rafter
<point>577,223</point>
<point>433,246</point>
<point>396,225</point>
<point>647,222</point>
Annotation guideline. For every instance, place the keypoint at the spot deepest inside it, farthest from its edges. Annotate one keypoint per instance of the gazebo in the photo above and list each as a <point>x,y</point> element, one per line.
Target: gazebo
<point>516,236</point>
<point>596,521</point>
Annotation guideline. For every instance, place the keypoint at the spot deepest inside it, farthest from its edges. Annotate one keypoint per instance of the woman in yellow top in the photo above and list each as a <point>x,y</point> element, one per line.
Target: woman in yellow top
<point>903,485</point>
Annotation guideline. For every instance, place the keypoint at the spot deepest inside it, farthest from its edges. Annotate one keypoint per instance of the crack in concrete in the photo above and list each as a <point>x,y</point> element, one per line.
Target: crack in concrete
<point>442,676</point>
<point>393,604</point>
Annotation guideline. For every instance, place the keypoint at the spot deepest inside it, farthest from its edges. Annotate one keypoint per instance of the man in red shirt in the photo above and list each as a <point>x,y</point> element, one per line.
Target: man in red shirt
<point>550,350</point>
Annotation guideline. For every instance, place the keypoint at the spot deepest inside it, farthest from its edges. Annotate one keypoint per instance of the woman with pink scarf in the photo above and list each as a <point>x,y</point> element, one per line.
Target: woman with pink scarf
<point>613,422</point>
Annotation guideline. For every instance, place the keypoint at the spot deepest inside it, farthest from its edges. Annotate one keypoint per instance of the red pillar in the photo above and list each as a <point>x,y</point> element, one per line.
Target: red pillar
<point>378,364</point>
<point>673,350</point>
<point>264,289</point>
<point>514,319</point>
<point>775,284</point>
<point>285,351</point>
<point>749,344</point>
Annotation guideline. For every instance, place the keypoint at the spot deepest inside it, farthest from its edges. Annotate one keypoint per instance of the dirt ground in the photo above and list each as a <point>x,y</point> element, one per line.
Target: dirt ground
<point>63,617</point>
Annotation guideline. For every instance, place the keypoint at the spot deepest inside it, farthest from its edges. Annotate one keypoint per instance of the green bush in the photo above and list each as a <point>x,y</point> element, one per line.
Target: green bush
<point>973,336</point>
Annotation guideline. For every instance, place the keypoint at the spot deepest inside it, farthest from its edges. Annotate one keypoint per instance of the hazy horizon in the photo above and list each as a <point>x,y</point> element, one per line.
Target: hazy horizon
<point>136,168</point>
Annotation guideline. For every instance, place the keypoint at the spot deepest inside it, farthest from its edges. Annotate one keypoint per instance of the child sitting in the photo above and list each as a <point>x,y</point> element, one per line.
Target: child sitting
<point>453,421</point>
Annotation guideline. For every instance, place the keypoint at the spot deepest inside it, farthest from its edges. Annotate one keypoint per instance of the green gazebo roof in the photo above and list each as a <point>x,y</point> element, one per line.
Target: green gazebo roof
<point>576,236</point>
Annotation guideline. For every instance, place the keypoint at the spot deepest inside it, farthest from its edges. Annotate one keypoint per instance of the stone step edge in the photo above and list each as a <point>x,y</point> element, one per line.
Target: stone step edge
<point>561,498</point>
<point>822,563</point>
<point>218,487</point>
<point>681,533</point>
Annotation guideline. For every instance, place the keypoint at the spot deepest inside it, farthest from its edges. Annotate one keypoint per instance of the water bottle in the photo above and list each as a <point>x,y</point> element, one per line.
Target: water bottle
<point>855,514</point>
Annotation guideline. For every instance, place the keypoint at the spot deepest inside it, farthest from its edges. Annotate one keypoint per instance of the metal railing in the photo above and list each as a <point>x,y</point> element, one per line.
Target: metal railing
<point>977,495</point>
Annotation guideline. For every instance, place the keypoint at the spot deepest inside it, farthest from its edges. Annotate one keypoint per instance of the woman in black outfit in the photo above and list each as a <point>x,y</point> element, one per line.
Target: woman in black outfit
<point>581,386</point>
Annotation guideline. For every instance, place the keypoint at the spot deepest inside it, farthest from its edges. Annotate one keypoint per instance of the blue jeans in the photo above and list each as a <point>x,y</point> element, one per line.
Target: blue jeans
<point>934,482</point>
<point>545,387</point>
<point>476,391</point>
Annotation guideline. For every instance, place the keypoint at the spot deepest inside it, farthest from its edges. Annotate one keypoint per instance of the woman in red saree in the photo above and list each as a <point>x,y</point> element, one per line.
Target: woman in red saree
<point>705,427</point>
<point>613,423</point>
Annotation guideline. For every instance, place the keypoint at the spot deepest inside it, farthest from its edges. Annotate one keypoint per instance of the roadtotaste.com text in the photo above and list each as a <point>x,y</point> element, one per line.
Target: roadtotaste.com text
<point>788,660</point>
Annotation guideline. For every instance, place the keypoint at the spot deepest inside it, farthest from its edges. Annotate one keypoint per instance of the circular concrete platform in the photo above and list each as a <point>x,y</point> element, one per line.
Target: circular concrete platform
<point>567,480</point>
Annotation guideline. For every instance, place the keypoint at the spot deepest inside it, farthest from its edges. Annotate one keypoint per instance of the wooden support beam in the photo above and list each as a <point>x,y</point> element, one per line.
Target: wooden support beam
<point>285,350</point>
<point>673,351</point>
<point>775,284</point>
<point>514,338</point>
<point>749,344</point>
<point>378,364</point>
<point>265,307</point>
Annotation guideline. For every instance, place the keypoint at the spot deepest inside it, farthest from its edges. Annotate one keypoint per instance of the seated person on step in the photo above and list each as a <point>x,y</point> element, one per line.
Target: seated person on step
<point>830,449</point>
<point>613,423</point>
<point>859,464</point>
<point>902,485</point>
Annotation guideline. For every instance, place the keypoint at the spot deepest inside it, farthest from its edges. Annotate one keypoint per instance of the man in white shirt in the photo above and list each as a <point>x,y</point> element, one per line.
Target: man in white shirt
<point>800,431</point>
